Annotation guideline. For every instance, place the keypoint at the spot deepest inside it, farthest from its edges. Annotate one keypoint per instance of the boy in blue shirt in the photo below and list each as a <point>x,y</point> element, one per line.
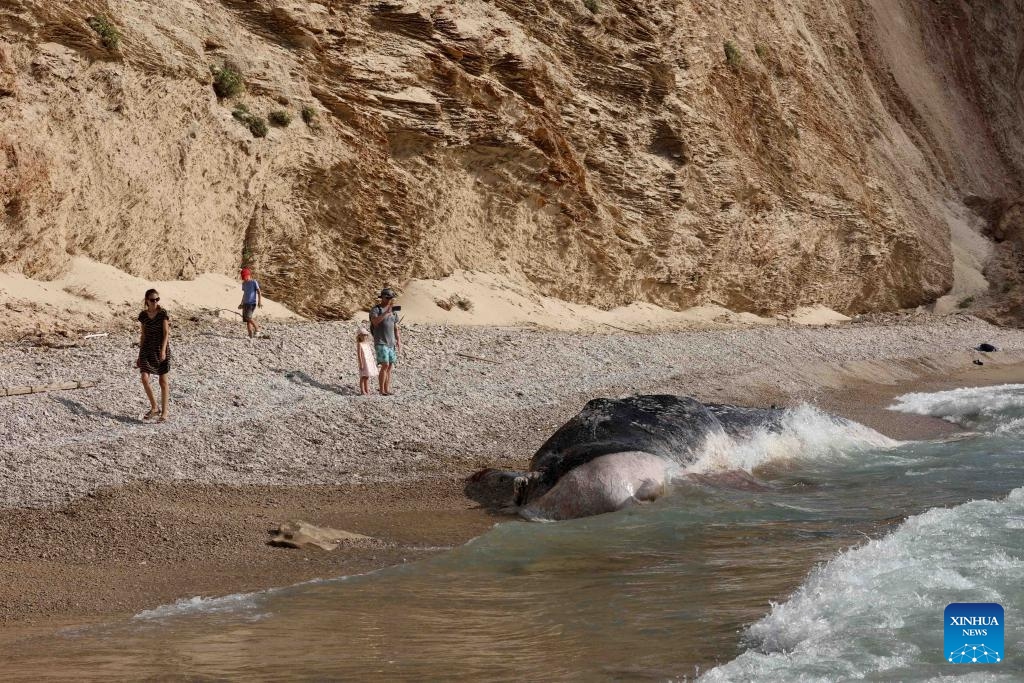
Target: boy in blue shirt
<point>251,298</point>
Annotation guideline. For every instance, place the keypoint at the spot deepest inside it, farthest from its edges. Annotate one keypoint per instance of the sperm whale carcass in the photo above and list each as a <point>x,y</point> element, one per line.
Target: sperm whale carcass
<point>615,453</point>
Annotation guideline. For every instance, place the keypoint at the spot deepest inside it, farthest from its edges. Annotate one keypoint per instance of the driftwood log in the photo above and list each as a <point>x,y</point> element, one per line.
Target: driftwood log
<point>41,388</point>
<point>472,357</point>
<point>624,329</point>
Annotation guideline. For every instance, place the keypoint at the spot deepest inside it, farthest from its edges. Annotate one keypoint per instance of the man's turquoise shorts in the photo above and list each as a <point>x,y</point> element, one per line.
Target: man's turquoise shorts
<point>386,355</point>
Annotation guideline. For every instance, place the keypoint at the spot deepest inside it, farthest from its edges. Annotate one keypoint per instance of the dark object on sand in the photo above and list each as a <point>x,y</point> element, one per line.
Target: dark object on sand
<point>978,362</point>
<point>40,388</point>
<point>985,348</point>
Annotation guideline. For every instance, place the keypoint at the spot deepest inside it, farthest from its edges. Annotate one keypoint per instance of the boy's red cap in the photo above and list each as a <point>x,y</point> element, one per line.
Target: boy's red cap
<point>246,272</point>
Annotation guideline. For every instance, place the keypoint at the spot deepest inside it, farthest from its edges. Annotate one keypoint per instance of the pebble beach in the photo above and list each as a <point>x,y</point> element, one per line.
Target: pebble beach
<point>107,514</point>
<point>286,409</point>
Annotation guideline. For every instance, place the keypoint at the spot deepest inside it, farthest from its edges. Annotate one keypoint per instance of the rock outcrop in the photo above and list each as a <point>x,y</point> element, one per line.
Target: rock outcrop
<point>760,155</point>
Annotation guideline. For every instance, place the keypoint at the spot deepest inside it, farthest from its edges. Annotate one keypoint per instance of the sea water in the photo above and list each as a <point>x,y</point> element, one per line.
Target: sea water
<point>837,567</point>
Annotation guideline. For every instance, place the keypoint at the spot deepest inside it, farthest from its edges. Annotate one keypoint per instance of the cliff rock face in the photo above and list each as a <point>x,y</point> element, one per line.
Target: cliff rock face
<point>755,153</point>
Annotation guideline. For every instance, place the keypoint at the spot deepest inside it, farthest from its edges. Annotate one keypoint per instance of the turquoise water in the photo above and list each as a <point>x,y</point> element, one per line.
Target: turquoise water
<point>840,569</point>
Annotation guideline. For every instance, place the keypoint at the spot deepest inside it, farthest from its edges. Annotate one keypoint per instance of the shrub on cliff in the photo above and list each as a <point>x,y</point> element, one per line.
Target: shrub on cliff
<point>592,5</point>
<point>227,81</point>
<point>732,53</point>
<point>258,126</point>
<point>308,114</point>
<point>109,35</point>
<point>279,118</point>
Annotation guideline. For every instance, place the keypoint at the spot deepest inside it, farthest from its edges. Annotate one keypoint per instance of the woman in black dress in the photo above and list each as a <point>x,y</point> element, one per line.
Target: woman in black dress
<point>154,352</point>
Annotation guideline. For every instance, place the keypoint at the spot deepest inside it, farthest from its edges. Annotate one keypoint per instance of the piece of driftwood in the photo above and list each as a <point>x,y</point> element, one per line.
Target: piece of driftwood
<point>616,327</point>
<point>41,388</point>
<point>486,360</point>
<point>230,311</point>
<point>299,534</point>
<point>97,334</point>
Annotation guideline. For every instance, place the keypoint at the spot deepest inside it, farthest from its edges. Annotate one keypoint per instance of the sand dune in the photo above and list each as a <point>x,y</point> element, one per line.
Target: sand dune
<point>467,298</point>
<point>92,295</point>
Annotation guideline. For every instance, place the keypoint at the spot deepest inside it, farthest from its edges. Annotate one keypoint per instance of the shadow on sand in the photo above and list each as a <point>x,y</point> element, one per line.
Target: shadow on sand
<point>299,377</point>
<point>81,411</point>
<point>222,336</point>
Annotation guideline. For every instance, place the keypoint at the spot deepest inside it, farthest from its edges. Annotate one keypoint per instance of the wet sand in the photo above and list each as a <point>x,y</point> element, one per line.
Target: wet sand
<point>123,549</point>
<point>867,402</point>
<point>126,549</point>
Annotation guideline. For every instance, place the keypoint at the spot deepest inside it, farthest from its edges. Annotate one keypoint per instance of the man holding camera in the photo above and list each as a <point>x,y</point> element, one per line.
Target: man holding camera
<point>387,338</point>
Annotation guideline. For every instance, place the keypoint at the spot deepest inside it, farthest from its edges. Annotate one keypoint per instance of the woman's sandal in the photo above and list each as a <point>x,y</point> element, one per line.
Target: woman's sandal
<point>150,415</point>
<point>162,419</point>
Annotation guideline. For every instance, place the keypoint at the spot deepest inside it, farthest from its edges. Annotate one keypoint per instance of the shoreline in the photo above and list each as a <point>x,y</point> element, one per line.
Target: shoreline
<point>138,543</point>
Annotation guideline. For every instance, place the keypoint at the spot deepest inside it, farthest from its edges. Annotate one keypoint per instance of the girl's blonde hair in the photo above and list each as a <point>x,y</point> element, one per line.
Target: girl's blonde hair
<point>362,333</point>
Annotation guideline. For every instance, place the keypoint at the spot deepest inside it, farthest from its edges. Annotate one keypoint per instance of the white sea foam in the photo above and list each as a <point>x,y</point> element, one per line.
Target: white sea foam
<point>239,603</point>
<point>869,612</point>
<point>235,603</point>
<point>805,433</point>
<point>999,407</point>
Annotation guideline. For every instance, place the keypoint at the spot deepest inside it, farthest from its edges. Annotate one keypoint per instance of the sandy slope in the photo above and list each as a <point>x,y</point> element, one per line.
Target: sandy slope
<point>467,298</point>
<point>92,296</point>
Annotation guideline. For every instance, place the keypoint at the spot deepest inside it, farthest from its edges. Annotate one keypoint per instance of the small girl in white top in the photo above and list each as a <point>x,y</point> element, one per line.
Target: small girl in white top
<point>367,360</point>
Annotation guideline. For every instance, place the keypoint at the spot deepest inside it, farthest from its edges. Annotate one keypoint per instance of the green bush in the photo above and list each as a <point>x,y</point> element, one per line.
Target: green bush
<point>109,35</point>
<point>965,303</point>
<point>279,118</point>
<point>592,5</point>
<point>760,51</point>
<point>308,114</point>
<point>227,82</point>
<point>732,53</point>
<point>258,126</point>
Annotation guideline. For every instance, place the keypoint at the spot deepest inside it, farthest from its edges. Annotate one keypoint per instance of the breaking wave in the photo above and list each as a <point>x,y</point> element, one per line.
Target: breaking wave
<point>804,433</point>
<point>998,408</point>
<point>875,611</point>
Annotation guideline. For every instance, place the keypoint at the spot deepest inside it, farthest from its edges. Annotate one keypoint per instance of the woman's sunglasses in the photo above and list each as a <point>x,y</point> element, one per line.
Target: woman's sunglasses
<point>153,300</point>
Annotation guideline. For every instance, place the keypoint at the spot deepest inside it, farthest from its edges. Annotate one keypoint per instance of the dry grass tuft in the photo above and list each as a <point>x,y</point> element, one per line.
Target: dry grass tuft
<point>732,54</point>
<point>81,292</point>
<point>24,176</point>
<point>455,301</point>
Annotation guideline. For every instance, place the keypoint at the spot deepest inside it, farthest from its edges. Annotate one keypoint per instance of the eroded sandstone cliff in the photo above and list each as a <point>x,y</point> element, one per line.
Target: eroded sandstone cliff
<point>755,153</point>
